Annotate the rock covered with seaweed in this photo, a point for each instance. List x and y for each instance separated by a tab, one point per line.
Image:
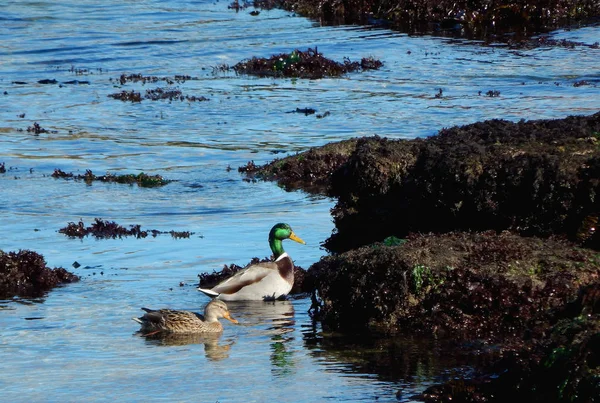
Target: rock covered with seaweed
484	235
502	20
25	274
528	308
561	367
535	178
480	285
303	64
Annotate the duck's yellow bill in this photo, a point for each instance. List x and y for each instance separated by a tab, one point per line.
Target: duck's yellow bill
294	237
229	318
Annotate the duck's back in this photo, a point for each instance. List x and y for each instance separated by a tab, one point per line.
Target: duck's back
172	321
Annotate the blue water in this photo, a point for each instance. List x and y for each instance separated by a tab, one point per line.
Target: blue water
79	343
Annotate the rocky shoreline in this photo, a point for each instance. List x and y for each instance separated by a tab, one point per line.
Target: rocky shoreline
513	22
481	234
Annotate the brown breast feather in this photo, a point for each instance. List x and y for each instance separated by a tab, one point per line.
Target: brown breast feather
286	269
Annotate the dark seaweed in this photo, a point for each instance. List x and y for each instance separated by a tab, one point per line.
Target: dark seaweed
302	64
109	229
25	274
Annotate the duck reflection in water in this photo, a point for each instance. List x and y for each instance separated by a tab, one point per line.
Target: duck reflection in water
277	320
213	349
172	327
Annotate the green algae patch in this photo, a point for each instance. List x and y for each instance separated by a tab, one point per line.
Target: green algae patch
25	274
303	64
141	179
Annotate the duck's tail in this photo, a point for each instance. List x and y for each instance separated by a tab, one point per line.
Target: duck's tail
210	293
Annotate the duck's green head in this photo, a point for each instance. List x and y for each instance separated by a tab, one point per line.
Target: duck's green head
278	233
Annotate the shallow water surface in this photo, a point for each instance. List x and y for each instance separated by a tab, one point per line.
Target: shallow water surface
79	341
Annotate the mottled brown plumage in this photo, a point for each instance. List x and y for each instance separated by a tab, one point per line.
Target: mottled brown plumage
171	321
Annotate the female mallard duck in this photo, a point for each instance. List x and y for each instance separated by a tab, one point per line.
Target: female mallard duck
170	321
261	281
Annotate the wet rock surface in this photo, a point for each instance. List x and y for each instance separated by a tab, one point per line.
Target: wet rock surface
25	274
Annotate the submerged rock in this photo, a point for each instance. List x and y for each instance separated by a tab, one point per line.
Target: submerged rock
25	274
157	94
169	93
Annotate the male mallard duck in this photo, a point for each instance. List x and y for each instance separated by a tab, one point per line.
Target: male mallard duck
170	321
261	281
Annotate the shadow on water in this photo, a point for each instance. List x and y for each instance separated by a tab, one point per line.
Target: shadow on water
404	360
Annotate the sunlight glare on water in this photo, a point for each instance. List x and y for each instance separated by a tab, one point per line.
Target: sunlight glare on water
79	341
